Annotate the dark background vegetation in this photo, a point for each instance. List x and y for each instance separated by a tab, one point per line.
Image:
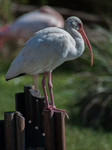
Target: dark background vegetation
90	6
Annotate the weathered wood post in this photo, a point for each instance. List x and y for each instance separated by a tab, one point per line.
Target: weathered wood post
2	135
54	130
49	130
20	131
34	105
29	134
31	127
37	105
10	135
60	130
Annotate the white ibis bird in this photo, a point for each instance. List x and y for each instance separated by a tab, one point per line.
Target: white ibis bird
26	25
48	49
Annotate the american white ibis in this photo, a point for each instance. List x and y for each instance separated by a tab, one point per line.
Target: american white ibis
48	49
26	25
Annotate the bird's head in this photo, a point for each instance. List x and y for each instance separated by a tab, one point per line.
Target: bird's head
76	23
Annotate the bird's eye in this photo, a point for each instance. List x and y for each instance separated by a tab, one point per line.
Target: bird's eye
80	25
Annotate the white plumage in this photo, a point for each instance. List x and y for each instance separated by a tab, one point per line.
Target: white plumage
48	49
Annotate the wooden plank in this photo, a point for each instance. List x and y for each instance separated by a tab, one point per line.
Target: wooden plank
29	131
36	118
49	130
27	101
20	131
41	107
2	138
40	104
20	103
39	134
9	130
33	117
33	99
60	130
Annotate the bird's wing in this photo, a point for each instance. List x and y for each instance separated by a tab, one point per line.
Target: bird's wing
43	52
47	31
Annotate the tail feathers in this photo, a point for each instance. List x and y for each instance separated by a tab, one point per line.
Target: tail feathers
15	76
16	69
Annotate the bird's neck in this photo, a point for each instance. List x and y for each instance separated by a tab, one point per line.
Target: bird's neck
79	46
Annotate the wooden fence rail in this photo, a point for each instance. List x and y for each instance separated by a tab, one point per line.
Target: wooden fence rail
28	128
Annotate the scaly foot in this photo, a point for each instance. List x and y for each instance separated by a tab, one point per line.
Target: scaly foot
51	108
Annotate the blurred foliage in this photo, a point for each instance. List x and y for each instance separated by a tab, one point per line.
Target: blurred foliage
96	99
91	6
5	12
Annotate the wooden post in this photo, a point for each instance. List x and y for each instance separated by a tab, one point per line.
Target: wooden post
9	130
20	131
37	118
2	138
29	132
20	103
41	106
31	105
49	130
54	130
27	101
60	130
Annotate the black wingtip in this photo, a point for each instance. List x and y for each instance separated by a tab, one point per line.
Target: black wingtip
7	79
16	76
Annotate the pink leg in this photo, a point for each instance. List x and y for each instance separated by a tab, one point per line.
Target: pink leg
47	106
50	90
35	82
44	89
53	107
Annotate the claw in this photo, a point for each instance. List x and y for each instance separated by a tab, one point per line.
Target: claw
54	108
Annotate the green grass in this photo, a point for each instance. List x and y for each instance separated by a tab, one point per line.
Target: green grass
87	139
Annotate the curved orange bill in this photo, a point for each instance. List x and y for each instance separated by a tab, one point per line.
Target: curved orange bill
87	43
